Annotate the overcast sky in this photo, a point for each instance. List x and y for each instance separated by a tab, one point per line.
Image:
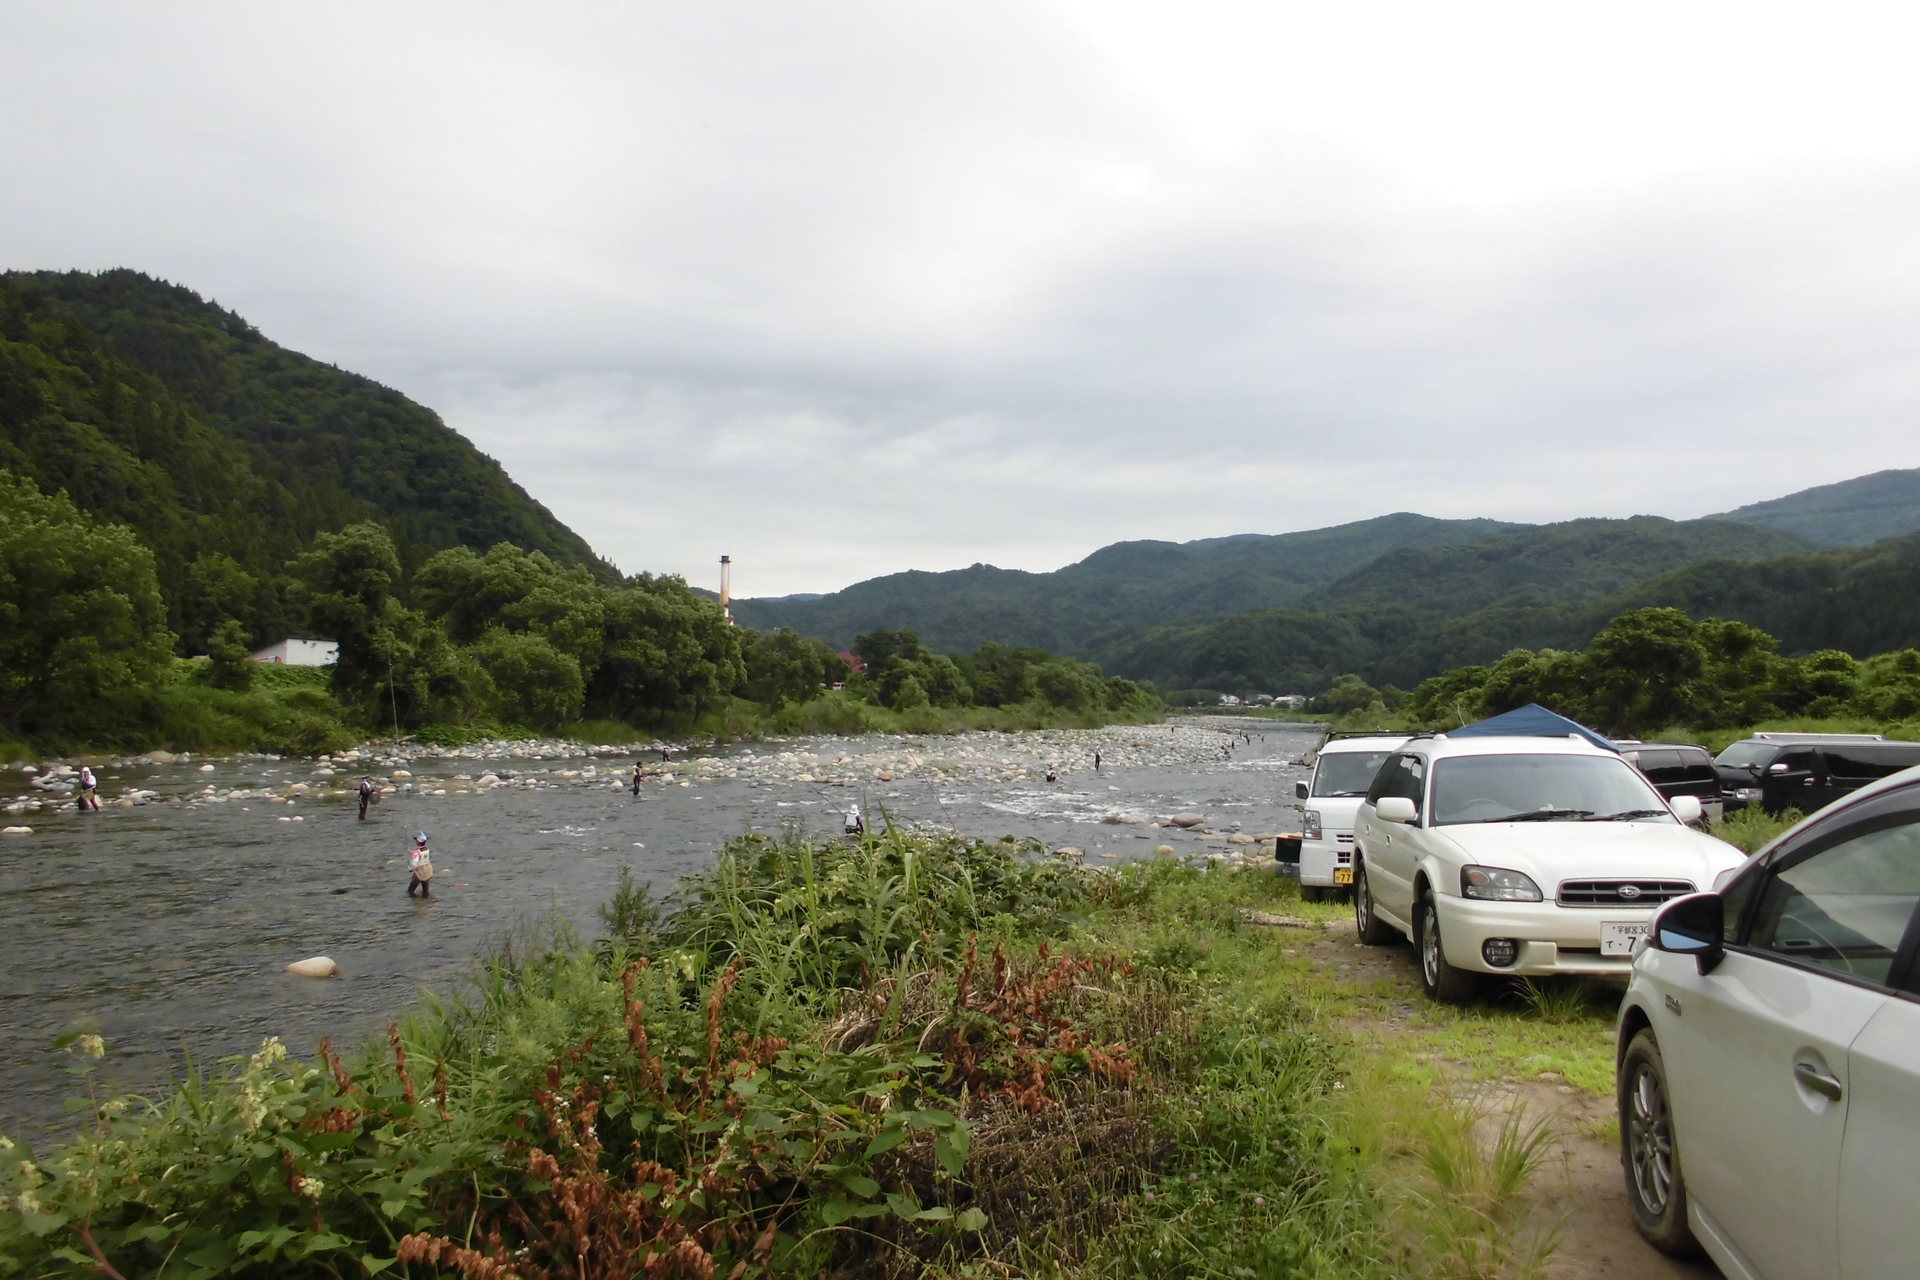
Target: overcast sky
841	289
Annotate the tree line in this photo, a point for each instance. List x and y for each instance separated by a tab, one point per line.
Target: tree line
1653	669
502	637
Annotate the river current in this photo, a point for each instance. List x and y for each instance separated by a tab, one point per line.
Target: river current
167	927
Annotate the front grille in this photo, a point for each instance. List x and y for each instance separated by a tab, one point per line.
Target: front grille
1607	893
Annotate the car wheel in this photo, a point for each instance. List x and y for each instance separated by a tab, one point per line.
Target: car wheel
1443	982
1372	931
1654	1186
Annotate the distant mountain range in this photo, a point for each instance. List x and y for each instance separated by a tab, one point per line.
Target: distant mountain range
1851	513
1395	598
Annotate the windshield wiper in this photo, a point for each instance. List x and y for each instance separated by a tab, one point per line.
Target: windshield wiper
1625	814
1546	815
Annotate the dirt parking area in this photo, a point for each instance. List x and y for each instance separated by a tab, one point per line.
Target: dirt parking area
1580	1192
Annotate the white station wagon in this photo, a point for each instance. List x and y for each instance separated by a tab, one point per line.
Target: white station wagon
1523	856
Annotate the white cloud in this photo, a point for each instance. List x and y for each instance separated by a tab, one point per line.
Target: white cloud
847	288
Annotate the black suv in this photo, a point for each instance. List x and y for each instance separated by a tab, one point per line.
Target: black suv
1807	771
1678	769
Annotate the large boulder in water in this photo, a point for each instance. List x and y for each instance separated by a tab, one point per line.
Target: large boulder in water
314	967
1188	819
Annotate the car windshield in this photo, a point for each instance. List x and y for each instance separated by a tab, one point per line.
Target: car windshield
1742	754
1347	773
1542	788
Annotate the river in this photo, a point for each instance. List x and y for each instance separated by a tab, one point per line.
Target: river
166	926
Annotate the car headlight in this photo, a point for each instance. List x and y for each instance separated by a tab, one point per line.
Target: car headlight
1310	823
1497	884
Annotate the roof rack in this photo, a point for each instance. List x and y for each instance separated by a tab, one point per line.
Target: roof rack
1783	735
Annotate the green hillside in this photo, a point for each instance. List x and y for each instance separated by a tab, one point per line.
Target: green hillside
1415	612
1120	588
1851	513
343	447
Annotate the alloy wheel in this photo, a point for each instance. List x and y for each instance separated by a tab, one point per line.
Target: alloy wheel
1650	1139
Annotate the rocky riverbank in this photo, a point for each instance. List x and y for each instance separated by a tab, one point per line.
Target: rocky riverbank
1073	758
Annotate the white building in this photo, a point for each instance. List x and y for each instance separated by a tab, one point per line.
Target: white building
296	651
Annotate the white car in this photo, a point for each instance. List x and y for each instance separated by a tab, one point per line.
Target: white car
1343	769
1769	1050
1534	857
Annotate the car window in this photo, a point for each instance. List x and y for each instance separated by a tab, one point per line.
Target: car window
1865	763
1347	773
1742	754
1845	907
1404	775
1500	788
1798	760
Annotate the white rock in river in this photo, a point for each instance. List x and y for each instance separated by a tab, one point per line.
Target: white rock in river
206	768
314	967
1187	819
16	831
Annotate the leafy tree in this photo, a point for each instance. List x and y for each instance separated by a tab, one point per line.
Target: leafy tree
229	658
216	591
1648	668
783	666
351	579
668	654
1349	694
1820	684
83	636
534	683
1889	687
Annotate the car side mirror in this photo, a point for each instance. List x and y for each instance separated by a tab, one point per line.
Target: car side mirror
1686	808
1690	926
1299	791
1396	809
1780	767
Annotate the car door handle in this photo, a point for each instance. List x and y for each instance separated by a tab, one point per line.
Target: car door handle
1817	1080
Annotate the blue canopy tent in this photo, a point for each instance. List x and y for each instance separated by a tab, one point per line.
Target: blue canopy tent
1530	721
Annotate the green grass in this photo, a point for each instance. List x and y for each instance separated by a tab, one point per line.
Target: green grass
902	1055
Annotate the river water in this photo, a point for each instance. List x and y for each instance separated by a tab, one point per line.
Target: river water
166	927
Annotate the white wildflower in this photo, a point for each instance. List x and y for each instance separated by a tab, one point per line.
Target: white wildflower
271	1051
91	1045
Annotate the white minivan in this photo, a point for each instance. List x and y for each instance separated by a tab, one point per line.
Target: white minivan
1343	769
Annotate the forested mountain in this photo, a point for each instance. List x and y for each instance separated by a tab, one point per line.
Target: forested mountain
1412	614
1573	560
342	446
1851	513
1119	588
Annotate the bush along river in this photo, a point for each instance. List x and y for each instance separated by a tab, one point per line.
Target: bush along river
165	922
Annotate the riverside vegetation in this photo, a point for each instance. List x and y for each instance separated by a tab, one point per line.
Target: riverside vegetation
469	645
904	1055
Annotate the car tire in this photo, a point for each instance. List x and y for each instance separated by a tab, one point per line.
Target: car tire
1442	981
1372	930
1648	1152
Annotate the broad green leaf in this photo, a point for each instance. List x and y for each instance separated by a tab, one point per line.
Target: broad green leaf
971	1220
886	1140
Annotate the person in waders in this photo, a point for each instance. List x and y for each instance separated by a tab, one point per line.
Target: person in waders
366	796
89	801
638	774
856	826
420	862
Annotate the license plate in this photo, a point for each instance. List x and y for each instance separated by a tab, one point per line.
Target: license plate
1343	875
1618	936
